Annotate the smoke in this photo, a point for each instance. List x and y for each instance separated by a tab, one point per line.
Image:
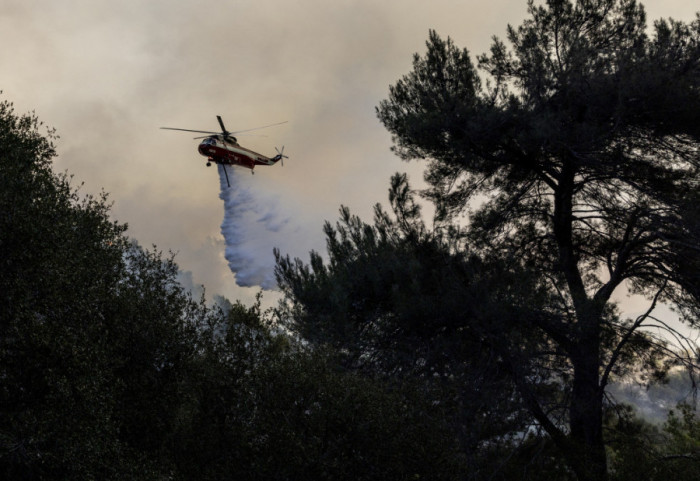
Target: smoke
653	402
252	228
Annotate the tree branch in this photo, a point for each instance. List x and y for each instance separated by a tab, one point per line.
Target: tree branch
625	339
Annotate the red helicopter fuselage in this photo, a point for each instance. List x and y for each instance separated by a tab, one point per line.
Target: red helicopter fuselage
227	151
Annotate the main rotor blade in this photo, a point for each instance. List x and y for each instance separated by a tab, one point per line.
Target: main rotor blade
221	122
229	135
256	128
188	130
226	132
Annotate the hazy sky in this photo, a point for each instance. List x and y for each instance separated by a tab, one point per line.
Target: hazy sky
108	74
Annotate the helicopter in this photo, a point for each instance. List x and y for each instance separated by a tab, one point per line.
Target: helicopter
223	148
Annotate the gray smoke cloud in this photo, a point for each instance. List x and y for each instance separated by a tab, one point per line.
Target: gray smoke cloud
653	402
108	74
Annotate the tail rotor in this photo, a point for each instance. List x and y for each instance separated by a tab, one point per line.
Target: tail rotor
280	155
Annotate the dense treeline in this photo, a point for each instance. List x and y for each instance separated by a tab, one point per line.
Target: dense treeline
454	350
110	370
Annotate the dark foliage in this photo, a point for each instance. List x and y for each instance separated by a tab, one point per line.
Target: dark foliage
574	152
109	370
583	138
398	302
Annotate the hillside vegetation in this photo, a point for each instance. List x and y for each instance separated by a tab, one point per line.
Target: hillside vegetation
564	169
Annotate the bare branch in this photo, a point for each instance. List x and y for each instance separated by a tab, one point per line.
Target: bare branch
625	339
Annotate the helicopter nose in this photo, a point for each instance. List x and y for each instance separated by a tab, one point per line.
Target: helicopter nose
205	149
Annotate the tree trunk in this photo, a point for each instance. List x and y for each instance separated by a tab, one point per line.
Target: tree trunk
586	452
586	417
586	410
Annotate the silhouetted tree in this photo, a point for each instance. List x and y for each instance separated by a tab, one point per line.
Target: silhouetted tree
406	303
401	303
95	332
578	151
575	155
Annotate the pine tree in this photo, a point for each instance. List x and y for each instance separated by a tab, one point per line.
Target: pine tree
581	142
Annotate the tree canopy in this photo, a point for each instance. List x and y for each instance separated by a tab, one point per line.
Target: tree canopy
565	163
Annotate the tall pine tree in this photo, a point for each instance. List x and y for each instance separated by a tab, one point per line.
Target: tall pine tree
582	135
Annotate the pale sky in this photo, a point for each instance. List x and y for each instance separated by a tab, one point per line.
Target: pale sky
108	74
